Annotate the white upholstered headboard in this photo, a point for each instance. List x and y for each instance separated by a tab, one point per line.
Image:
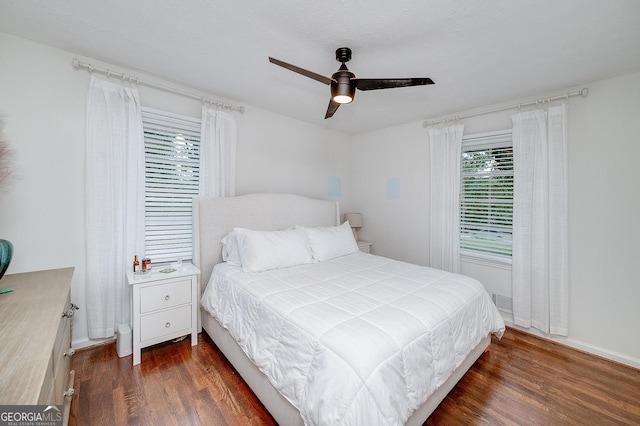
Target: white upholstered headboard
213	218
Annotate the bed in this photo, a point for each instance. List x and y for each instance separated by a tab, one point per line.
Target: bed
307	361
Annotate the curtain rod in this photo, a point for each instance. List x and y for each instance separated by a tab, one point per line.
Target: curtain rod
81	65
583	92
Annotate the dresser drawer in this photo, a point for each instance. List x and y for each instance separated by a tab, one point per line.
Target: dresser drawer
167	322
62	361
164	296
62	345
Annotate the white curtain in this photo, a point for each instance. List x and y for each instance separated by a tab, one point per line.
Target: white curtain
217	154
114	196
444	243
540	258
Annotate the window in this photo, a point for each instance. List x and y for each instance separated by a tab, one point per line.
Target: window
486	195
171	144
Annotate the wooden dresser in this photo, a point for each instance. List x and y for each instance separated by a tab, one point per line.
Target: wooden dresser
35	339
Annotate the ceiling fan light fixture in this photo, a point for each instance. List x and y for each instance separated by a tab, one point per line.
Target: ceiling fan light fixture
343	99
343	92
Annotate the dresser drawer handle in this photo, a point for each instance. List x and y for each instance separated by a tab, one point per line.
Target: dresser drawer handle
71	352
69	313
167	297
69	392
167	325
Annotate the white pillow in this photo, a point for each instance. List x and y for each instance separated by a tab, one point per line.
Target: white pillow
329	242
265	250
230	249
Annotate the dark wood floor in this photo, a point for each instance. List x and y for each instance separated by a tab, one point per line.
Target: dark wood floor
523	380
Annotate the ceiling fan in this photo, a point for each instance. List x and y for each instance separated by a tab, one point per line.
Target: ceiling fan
344	83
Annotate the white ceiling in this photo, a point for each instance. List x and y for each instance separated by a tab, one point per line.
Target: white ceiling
478	52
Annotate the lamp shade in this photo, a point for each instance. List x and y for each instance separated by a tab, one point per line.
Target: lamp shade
355	219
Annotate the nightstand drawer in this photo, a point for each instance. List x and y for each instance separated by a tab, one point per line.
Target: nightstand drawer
165	322
164	296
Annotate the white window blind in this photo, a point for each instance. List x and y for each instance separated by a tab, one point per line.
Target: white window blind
172	144
486	195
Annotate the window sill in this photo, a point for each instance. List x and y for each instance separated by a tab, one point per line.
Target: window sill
486	260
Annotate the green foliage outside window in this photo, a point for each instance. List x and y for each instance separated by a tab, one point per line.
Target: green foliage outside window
486	201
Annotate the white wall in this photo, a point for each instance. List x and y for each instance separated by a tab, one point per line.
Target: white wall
395	221
604	209
276	153
42	213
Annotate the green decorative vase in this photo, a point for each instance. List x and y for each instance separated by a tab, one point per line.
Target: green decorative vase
6	251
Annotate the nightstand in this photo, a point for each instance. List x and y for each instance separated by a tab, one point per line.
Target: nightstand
364	246
164	306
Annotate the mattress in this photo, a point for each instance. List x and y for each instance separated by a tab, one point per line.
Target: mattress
360	339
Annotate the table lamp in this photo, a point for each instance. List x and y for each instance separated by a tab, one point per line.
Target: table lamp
355	221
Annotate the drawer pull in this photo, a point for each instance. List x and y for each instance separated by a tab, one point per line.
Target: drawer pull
168	324
69	392
167	297
69	313
71	352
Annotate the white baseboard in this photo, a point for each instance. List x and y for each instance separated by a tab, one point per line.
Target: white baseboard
585	347
85	343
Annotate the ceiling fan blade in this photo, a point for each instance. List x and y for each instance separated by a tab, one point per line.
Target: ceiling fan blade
333	107
318	77
389	83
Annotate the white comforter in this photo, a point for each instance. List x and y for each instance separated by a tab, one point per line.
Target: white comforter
357	340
